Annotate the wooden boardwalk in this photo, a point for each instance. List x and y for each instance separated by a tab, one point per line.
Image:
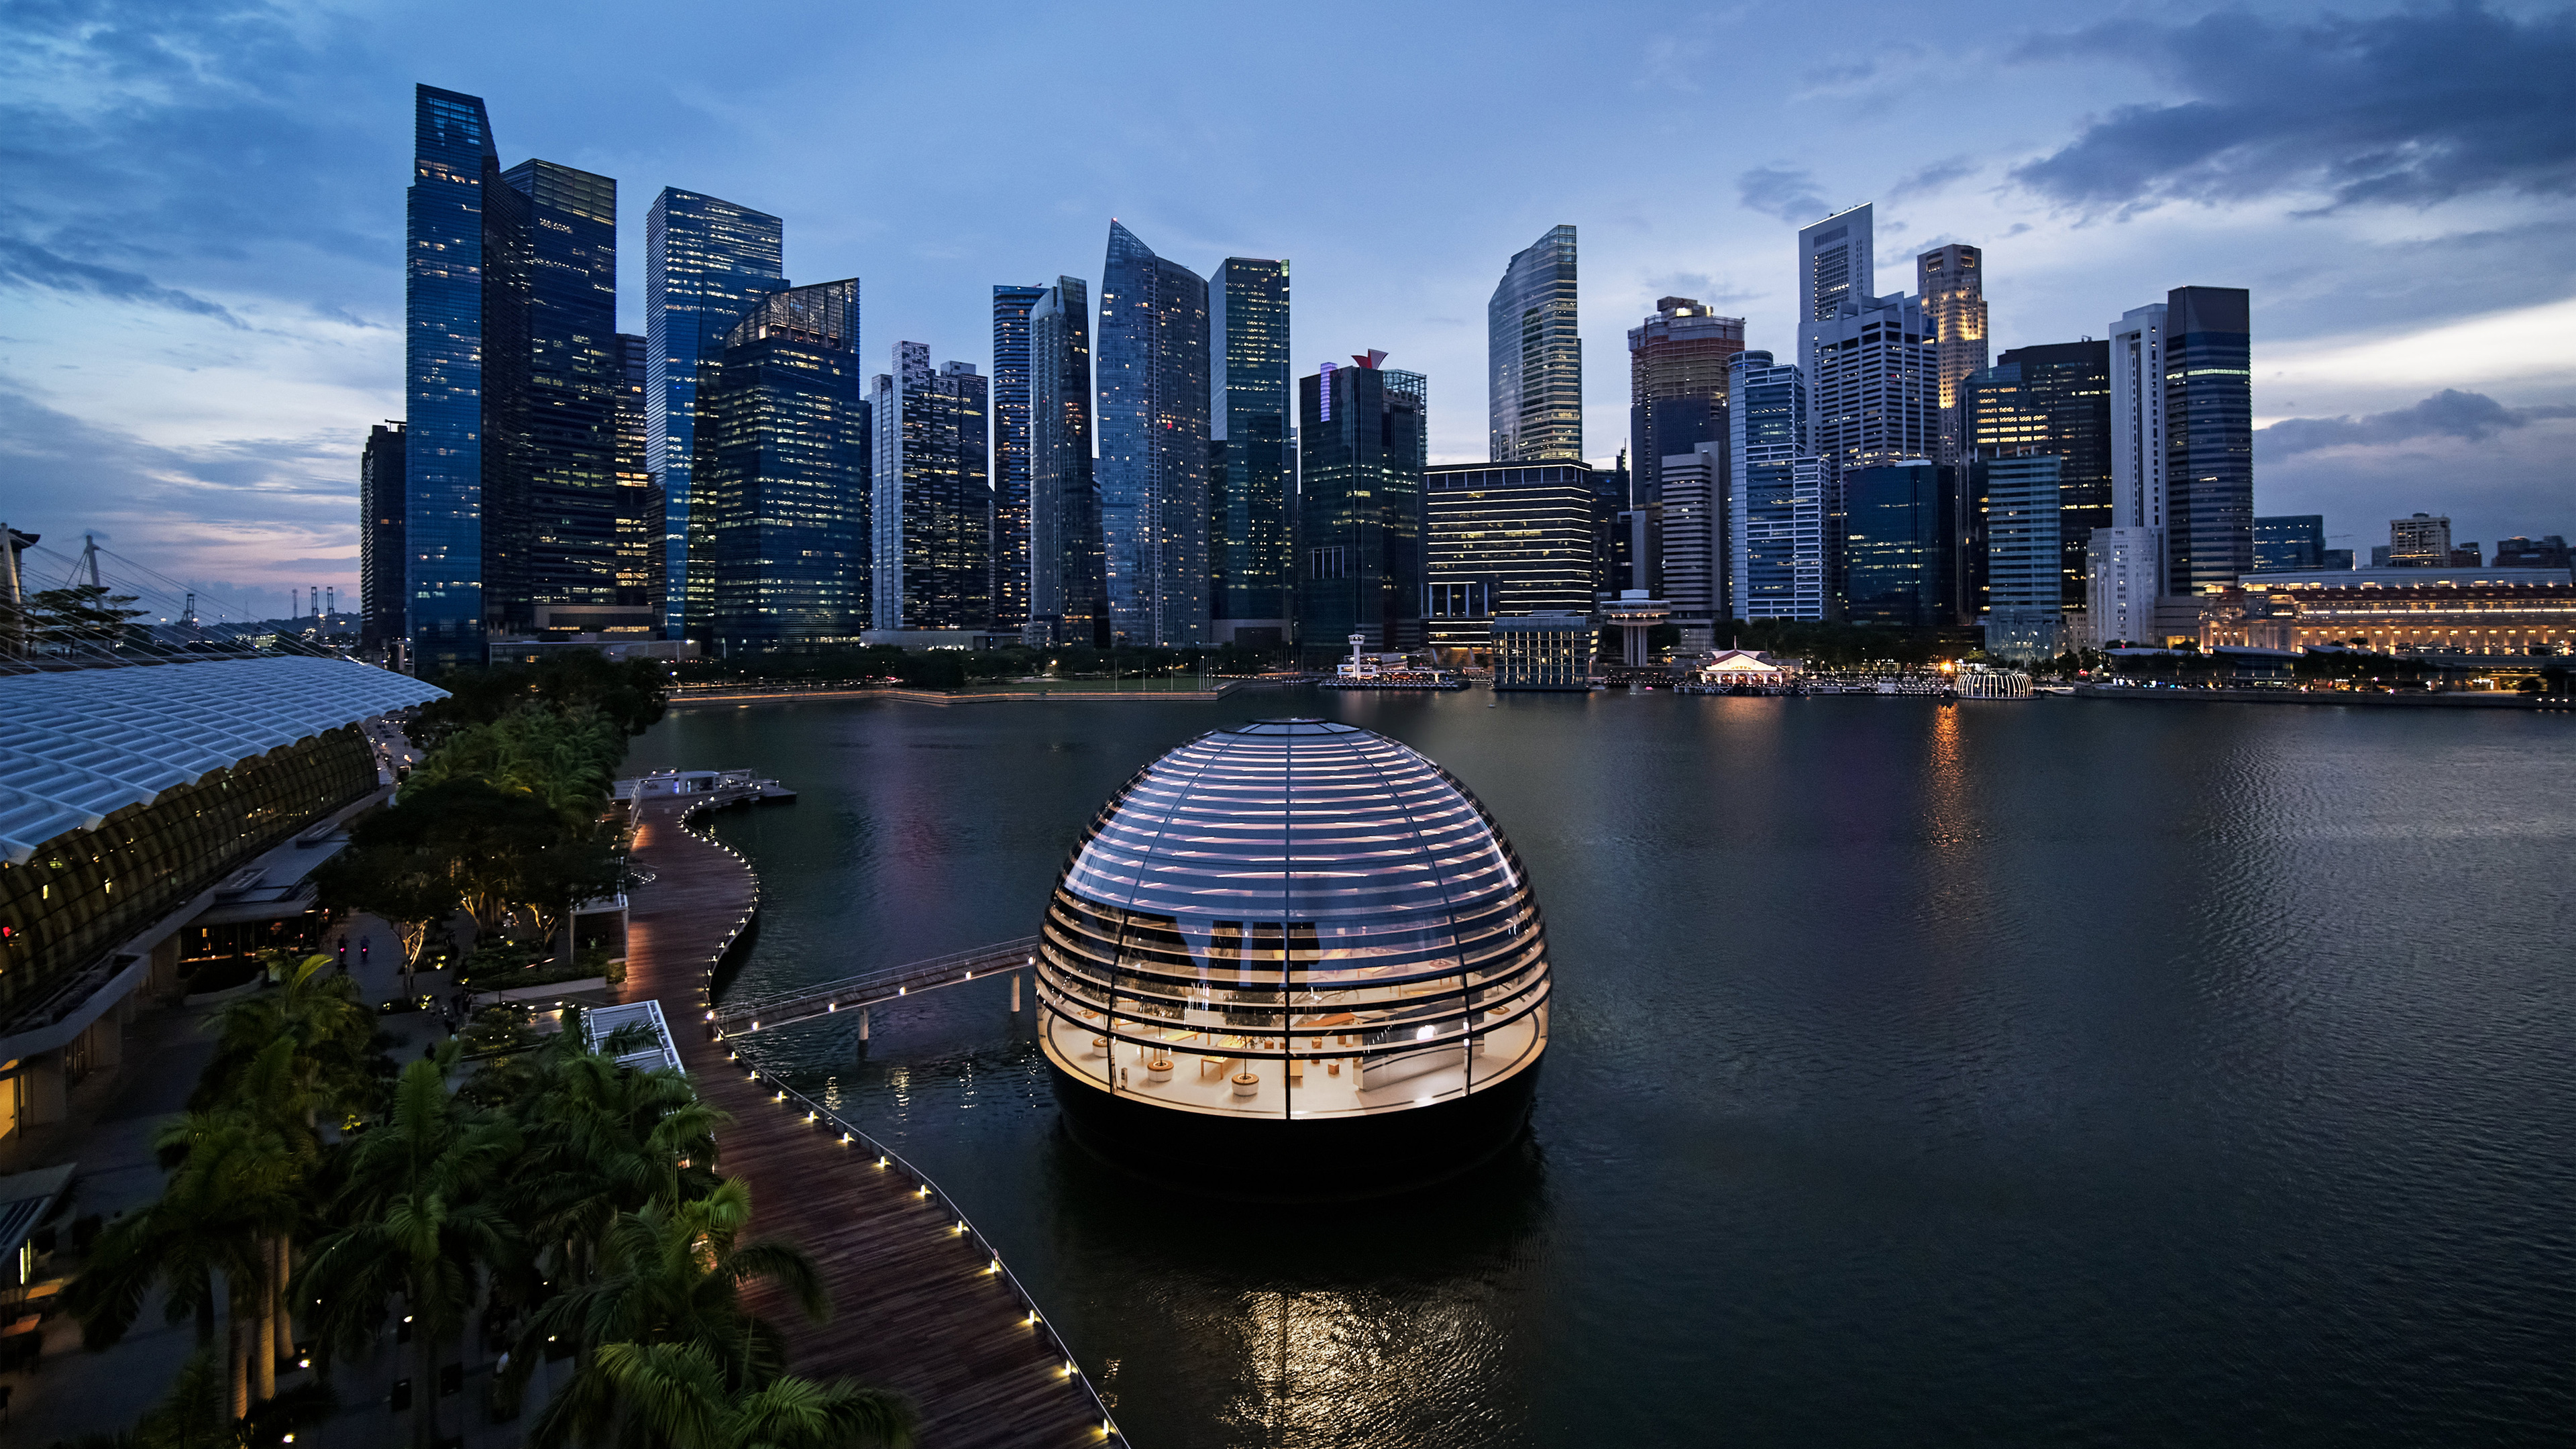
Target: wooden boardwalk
918	1305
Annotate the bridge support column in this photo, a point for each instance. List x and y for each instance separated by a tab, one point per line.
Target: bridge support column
1015	993
863	1023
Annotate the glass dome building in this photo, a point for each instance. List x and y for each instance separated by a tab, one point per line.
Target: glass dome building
1294	958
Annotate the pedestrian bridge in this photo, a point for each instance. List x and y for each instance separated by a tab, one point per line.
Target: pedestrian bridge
853	993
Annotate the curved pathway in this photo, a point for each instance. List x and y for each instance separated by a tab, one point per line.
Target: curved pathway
920	1304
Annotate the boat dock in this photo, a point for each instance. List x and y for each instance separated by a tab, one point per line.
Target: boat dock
922	1303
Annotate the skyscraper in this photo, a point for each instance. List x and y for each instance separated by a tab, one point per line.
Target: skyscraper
2209	439
639	503
707	263
2054	398
2291	541
1363	445
1534	356
1897	553
556	491
2018	501
1251	577
1872	400
1068	597
1503	539
1951	282
1836	264
1692	521
1677	385
782	475
380	538
1776	516
934	502
1011	405
2121	606
454	165
1153	444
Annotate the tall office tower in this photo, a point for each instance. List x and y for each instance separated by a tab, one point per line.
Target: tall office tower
1896	543
1251	574
380	538
1872	400
2292	541
1776	514
1951	283
1153	444
2137	349
2054	398
707	263
639	503
558	489
2209	439
2123	575
2019	506
1504	539
1068	596
1837	262
781	473
1011	453
1363	448
1534	356
1677	385
2420	542
1692	521
1611	495
454	167
934	502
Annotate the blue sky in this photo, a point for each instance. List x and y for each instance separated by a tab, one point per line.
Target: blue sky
201	233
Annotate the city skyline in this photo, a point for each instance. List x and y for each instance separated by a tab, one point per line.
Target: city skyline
213	383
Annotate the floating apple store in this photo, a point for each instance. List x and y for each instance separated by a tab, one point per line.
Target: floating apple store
1294	958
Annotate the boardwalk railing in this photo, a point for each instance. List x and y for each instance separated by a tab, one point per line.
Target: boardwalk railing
852	992
889	1160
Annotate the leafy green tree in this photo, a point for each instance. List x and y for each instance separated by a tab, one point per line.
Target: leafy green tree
564	758
629	694
82	615
420	1221
677	1396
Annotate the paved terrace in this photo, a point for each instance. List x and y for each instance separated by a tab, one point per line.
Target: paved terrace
921	1304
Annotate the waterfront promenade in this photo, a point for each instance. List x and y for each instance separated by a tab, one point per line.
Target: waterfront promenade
918	1305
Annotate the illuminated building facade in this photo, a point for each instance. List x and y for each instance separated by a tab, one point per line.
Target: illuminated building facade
1251	565
2209	439
454	168
2451	615
2290	541
639	503
1951	282
782	474
1677	385
2422	541
933	512
1872	401
1153	423
380	538
1897	556
1363	447
1544	651
1294	958
2016	502
1690	522
1776	508
1011	414
707	263
1504	539
1534	356
2054	398
1068	595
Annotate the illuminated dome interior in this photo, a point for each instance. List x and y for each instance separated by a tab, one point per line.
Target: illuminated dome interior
1293	918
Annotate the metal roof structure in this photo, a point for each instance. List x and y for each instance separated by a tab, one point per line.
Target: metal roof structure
602	1022
78	745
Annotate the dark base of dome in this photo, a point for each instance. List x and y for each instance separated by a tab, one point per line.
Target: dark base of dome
1302	1159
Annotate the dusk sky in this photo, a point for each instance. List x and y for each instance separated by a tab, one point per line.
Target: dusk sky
201	231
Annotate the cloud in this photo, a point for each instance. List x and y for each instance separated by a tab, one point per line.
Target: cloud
1787	193
1932	177
2409	108
1713	291
2450	413
25	264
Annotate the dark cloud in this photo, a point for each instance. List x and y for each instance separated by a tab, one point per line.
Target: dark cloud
2412	108
1787	193
2450	413
25	264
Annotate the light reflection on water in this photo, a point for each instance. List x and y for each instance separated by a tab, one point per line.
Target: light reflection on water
2053	1070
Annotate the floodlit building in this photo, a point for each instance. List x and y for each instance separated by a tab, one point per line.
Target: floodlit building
1504	539
1534	356
1951	281
1294	959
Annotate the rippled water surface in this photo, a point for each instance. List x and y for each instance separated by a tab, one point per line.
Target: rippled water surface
2054	1071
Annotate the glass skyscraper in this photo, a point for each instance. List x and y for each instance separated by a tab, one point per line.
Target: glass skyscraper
933	523
453	166
555	491
1152	470
1534	356
2209	439
1775	516
1952	284
1011	406
707	263
1897	554
1503	539
2290	541
1068	597
1363	443
380	537
1676	386
639	503
782	473
1251	577
2054	398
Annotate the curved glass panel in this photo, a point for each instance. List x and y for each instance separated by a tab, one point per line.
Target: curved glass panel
1293	918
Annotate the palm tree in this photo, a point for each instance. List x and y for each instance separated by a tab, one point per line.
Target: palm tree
420	1221
672	1276
332	1032
677	1396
